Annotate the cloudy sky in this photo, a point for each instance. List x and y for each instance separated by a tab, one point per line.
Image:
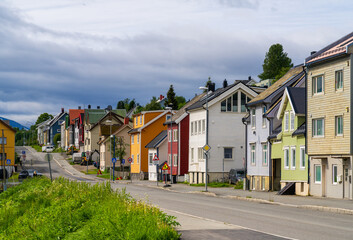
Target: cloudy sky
69	53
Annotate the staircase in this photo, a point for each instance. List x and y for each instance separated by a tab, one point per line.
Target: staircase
289	189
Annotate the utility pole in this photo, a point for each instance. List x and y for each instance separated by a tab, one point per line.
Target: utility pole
3	161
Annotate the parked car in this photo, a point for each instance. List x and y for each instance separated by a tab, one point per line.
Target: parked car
49	148
29	173
236	175
44	148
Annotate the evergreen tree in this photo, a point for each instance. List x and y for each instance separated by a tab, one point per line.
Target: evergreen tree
153	105
43	117
208	83
171	100
276	63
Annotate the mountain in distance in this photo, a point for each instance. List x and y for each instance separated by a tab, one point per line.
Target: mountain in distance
15	124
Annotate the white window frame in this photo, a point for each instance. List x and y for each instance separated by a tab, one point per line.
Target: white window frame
136	121
5	140
201	155
286	157
224	149
292	120
195	125
314	85
302	157
334	166
314	127
286	121
264	154
253	118
132	139
132	158
253	153
140	119
150	158
337	85
169	135
315	166
293	157
336	125
175	160
192	154
203	126
138	138
169	159
192	128
175	135
264	119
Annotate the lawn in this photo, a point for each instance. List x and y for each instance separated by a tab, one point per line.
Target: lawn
63	209
212	184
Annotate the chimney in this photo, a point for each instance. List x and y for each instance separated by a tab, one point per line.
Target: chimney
126	120
110	107
313	52
98	107
79	107
62	110
225	83
161	97
89	106
249	78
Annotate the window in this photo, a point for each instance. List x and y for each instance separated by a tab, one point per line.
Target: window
292	120
243	101
317	173
3	140
132	139
175	135
339	125
138	138
334	174
253	154
264	154
293	159
224	106
235	102
192	128
228	153
169	136
132	157
229	104
203	125
169	159
138	159
302	157
318	84
263	117
192	154
175	160
286	121
318	127
136	120
201	154
167	117
253	118
195	131
141	119
150	158
339	80
199	127
286	157
5	157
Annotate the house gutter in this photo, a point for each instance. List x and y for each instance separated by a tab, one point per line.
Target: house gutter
305	69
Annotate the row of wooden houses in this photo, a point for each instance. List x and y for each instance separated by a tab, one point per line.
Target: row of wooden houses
295	135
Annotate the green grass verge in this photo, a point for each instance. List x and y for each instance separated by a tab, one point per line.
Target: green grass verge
63	209
211	184
37	148
239	185
14	176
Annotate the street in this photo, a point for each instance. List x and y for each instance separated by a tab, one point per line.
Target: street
207	217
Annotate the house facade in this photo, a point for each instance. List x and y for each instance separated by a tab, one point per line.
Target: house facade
329	114
54	126
226	108
7	137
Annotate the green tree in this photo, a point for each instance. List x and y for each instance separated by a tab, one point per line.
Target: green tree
126	103
120	105
43	117
181	101
56	139
276	63
153	105
171	100
207	83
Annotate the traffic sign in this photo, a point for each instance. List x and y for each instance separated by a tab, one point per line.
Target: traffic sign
113	160
165	167
8	161
206	148
129	160
23	152
123	161
155	158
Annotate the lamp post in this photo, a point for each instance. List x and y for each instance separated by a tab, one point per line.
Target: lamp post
110	122
171	145
206	152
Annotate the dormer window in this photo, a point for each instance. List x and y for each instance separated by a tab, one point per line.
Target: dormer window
231	104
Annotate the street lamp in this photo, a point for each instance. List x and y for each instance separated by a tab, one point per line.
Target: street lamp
110	122
206	153
171	145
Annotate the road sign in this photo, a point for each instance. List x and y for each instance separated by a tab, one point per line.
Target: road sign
155	158
113	160
8	161
129	160
206	148
165	167
123	161
24	157
24	152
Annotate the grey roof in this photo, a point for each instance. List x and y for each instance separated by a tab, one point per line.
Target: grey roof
297	96
134	130
275	132
300	130
157	140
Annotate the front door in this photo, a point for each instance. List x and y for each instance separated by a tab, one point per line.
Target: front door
276	174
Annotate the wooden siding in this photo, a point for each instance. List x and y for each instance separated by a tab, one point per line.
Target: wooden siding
328	105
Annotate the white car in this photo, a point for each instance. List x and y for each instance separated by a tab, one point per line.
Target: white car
49	149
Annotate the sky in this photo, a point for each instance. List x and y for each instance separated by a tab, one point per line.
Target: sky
67	53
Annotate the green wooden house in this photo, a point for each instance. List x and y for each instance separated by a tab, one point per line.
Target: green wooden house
289	143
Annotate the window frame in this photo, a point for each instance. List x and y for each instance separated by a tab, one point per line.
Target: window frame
175	160
264	122
286	121
140	119
253	154
201	155
150	158
286	158
336	125
293	157
192	155
314	84
253	118
138	159
231	153
192	128
136	121
169	159
169	135
339	80
199	127
314	127
264	154
334	174
175	135
132	158
5	140
292	120
138	138
203	126
132	139
302	154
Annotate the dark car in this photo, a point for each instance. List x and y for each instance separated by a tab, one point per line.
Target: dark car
236	175
28	173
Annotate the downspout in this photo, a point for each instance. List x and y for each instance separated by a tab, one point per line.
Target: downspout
270	165
246	150
178	153
305	69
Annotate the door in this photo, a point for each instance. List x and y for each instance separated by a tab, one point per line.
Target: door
347	181
276	174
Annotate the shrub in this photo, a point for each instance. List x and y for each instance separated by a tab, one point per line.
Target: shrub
239	185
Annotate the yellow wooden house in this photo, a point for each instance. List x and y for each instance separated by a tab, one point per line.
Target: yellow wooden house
9	143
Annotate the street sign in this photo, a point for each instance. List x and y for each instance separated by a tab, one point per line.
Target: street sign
206	148
165	167
123	161
113	160
129	160
24	152
8	161
155	158
24	157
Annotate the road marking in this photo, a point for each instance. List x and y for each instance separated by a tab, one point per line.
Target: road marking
223	223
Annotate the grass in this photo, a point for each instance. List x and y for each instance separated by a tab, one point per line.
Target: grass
14	176
239	185
105	174
63	209
37	148
212	184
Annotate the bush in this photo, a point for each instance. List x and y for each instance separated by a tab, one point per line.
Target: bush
63	209
239	185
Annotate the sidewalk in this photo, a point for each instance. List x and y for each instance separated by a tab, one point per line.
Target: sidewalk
341	206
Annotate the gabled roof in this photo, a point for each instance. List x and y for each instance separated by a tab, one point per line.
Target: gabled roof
74	113
164	112
275	132
296	98
272	93
7	125
42	124
112	114
338	48
157	140
56	118
94	115
300	130
218	92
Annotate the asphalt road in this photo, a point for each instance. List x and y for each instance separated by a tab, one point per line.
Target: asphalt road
208	217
